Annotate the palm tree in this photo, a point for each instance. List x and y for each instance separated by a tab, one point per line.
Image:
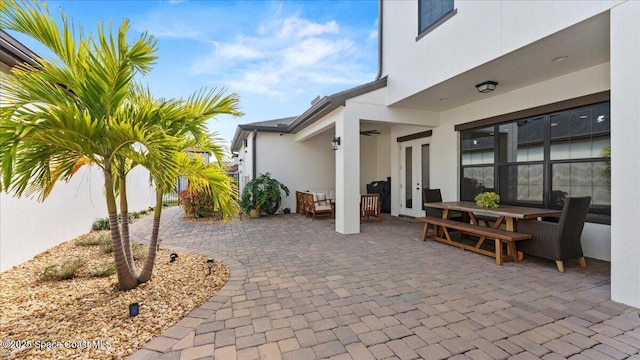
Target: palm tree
83	108
186	120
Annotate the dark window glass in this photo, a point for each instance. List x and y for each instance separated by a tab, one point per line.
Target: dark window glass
475	180
580	133
581	179
408	175
521	141
522	184
478	146
433	10
541	160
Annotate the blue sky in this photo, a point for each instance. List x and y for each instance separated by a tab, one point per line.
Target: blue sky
277	55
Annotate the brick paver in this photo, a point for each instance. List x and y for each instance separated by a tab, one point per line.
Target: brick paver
299	290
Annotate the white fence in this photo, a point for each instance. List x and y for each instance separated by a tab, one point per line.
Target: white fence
28	227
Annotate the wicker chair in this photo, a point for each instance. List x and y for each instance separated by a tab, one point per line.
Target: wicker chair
434	195
557	241
370	205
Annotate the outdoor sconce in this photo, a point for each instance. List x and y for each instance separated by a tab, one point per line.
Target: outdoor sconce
335	142
210	264
246	142
173	257
134	309
486	87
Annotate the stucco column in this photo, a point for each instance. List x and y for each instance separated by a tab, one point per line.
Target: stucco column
348	174
625	168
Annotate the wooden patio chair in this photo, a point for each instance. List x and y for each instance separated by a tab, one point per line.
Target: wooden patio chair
370	205
317	207
300	208
557	241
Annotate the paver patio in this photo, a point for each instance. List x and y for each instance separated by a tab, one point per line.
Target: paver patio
299	290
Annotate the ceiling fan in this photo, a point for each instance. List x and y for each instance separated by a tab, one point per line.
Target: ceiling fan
369	132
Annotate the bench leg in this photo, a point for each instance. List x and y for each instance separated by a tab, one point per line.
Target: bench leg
511	250
498	252
560	265
520	255
425	229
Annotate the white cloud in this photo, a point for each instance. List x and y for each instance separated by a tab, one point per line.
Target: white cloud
294	27
284	56
236	51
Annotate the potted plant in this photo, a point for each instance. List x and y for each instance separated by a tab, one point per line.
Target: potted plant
262	194
487	199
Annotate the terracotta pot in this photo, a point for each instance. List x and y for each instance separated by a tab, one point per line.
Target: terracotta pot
254	213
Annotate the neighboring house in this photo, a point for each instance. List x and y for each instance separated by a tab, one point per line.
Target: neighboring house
28	227
568	84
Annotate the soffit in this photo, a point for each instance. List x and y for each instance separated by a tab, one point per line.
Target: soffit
585	44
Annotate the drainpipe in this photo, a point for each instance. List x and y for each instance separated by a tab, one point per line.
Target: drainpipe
380	28
254	153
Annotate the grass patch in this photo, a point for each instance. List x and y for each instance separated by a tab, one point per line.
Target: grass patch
65	271
104	272
92	239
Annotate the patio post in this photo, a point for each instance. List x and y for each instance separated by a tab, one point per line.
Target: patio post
348	174
625	171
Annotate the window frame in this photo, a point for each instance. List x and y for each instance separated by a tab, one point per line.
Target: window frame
442	19
598	213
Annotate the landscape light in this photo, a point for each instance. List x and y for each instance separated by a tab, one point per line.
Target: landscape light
134	309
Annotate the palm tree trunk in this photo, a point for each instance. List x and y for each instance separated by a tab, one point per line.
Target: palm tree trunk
153	243
124	215
126	280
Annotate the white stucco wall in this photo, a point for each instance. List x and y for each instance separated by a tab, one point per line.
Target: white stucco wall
383	166
625	166
299	165
368	161
28	227
483	31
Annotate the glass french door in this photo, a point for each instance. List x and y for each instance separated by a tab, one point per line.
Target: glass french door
414	176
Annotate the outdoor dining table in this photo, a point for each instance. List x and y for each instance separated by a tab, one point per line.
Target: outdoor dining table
504	214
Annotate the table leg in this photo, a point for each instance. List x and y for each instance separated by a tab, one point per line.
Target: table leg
511	224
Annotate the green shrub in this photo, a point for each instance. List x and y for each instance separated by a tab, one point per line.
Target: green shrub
104	272
67	270
197	203
101	224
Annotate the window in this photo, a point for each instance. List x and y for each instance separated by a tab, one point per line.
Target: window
433	12
538	161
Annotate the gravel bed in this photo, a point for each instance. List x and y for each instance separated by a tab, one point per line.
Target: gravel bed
87	317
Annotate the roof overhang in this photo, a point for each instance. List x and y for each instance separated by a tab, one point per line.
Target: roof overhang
13	52
319	108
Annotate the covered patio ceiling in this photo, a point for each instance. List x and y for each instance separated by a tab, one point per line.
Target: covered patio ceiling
584	45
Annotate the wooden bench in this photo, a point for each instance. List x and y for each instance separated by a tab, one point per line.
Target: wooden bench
442	227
